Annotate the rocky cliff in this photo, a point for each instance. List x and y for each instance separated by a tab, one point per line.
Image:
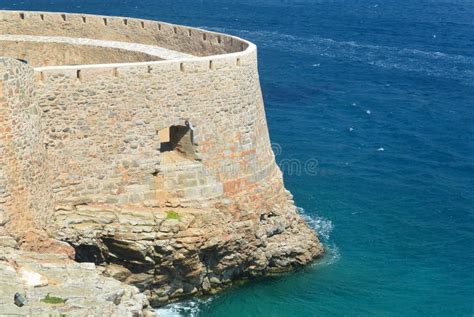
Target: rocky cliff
177	252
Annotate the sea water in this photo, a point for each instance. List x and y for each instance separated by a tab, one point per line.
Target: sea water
375	100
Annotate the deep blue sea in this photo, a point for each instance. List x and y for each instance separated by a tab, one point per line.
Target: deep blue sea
381	94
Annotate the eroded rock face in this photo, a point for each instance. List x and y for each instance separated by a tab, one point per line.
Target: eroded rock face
201	252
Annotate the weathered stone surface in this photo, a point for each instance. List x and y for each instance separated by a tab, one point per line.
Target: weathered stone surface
216	248
85	291
8	241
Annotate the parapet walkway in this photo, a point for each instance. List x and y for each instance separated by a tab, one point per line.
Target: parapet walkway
160	52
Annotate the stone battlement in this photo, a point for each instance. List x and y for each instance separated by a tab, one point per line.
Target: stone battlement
108	124
180	38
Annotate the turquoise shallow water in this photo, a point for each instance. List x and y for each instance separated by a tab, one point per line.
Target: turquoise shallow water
381	94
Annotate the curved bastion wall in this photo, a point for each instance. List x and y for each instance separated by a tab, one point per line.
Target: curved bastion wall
113	148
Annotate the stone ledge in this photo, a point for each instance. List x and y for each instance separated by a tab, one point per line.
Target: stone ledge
86	291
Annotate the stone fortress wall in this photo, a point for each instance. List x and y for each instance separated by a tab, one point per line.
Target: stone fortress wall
115	112
84	149
24	179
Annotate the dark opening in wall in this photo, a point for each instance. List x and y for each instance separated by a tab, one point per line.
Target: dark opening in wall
177	142
89	253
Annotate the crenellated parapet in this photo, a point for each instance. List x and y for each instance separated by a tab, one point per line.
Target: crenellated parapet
185	39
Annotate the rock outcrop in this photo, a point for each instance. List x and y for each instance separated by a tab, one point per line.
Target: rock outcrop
79	288
192	252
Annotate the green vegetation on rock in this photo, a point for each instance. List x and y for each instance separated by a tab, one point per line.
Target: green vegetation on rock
48	299
171	214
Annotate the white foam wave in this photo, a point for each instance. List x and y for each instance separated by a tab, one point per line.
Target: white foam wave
188	308
332	255
321	225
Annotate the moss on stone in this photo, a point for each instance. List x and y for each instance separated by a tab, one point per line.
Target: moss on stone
48	299
171	214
